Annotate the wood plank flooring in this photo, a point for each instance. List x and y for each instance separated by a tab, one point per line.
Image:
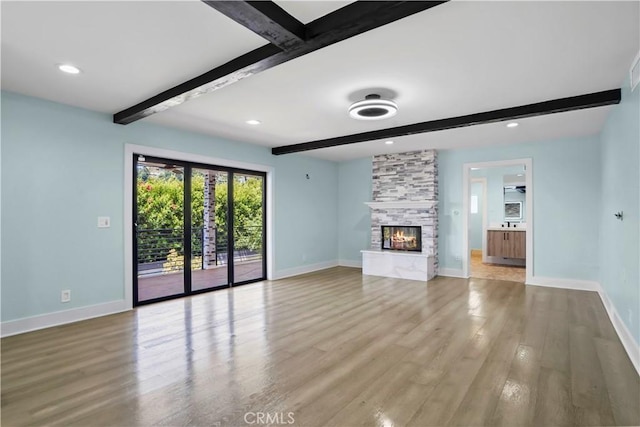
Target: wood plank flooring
331	348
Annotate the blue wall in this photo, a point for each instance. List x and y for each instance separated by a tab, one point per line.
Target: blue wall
620	240
355	217
62	167
306	211
566	194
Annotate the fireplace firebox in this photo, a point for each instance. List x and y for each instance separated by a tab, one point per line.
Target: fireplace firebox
402	238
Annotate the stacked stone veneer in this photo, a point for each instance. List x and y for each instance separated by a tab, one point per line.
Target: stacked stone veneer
411	176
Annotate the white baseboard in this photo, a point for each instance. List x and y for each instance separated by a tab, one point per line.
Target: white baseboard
303	269
27	324
450	272
551	282
628	342
350	263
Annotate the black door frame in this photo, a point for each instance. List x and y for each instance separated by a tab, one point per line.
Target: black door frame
187	230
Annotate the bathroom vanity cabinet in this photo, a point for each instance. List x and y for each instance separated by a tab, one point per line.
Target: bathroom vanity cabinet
507	243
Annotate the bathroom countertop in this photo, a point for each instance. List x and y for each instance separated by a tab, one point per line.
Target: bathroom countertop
506	229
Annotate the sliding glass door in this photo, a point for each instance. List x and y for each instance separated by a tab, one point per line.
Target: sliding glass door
209	207
248	227
159	228
196	228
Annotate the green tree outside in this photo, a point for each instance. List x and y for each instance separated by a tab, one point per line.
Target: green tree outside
160	206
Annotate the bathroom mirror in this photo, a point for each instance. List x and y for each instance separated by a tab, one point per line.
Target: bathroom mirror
515	193
513	211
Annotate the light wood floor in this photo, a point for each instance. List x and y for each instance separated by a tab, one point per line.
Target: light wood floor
495	271
332	348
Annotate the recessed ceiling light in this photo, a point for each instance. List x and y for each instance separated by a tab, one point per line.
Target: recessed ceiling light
253	122
520	174
373	108
68	68
512	124
388	142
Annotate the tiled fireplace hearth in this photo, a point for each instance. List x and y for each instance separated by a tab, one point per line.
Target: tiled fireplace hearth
405	193
401	265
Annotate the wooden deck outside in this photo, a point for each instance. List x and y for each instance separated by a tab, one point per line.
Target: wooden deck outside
163	285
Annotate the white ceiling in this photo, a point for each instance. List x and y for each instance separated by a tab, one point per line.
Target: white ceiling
458	58
128	51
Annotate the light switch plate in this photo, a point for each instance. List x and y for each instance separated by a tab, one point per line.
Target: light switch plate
104	222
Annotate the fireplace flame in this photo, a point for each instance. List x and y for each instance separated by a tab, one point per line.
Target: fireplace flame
400	241
401	238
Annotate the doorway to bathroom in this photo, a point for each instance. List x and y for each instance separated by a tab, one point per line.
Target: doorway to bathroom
498	218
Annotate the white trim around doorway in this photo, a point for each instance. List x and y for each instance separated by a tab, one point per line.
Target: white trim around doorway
466	191
130	149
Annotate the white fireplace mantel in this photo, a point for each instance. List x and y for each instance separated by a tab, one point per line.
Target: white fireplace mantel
403	204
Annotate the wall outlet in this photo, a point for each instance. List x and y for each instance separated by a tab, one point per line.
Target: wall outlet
65	296
104	222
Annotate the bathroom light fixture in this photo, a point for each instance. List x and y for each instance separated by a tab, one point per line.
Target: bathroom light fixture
512	124
253	122
388	142
373	108
68	68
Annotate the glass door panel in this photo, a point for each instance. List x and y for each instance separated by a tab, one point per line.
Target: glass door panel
209	241
196	216
159	229
248	227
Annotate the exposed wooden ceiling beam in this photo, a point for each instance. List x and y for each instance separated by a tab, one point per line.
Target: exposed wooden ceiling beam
360	16
266	19
591	100
351	20
257	60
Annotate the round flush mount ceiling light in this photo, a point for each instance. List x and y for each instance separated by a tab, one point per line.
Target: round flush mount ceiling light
253	122
512	125
388	142
69	69
373	108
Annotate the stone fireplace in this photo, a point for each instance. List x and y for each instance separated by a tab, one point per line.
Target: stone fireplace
405	194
